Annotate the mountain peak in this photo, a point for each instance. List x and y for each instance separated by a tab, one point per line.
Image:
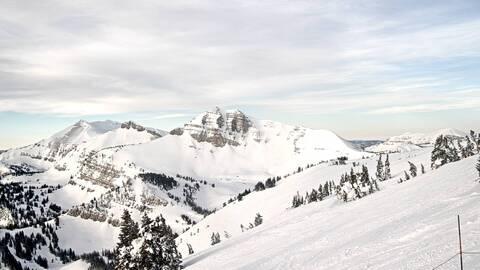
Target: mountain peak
217	126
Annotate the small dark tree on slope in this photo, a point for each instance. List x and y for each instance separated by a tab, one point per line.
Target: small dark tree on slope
380	174
215	238
258	219
388	173
422	168
190	249
413	169
407	177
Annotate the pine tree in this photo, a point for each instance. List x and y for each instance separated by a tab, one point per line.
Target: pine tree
313	196
422	168
215	238
190	249
387	174
407	177
258	219
380	170
146	221
439	153
128	230
365	177
413	169
123	252
158	250
470	147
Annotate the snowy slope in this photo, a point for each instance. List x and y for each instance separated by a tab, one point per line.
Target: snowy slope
404	226
273	202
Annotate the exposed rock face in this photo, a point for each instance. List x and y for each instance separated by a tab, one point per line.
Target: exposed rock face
217	127
133	125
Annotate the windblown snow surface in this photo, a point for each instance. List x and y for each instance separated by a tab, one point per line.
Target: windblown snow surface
410	225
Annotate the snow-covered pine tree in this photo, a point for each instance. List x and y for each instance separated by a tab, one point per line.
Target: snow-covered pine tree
258	219
365	176
320	193
407	177
215	238
422	168
123	252
380	174
439	153
387	173
146	258
469	147
326	189
313	196
413	169
163	245
452	152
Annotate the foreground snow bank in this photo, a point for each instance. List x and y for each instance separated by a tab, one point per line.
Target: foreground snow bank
405	226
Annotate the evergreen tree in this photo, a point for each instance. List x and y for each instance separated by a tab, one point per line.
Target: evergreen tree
407	177
190	249
158	250
313	196
413	169
422	168
439	153
380	174
146	221
128	230
123	252
470	147
258	219
215	238
452	153
365	177
387	174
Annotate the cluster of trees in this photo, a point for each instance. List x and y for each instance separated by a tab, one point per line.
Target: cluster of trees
215	238
450	149
26	247
413	172
383	169
315	195
157	249
28	205
354	185
160	180
99	260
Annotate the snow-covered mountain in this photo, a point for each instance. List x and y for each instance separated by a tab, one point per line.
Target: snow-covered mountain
229	144
413	141
426	138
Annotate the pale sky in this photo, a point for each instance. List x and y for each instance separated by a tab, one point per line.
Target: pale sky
364	69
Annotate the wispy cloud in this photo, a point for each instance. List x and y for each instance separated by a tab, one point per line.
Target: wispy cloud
309	57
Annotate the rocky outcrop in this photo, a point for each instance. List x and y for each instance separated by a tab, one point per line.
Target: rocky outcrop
133	125
217	127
